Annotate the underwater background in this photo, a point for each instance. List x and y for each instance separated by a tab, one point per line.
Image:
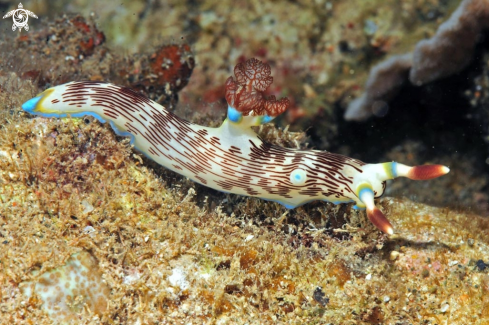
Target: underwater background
92	232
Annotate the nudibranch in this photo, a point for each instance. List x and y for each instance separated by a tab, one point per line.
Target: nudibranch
232	158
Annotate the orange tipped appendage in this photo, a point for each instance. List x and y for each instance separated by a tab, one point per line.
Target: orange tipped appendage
371	184
366	196
379	220
427	172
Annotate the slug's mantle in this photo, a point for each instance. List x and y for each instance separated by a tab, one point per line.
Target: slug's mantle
232	158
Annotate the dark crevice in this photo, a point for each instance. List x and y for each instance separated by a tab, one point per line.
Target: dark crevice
438	115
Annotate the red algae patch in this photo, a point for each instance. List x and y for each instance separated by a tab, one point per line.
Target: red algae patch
66	290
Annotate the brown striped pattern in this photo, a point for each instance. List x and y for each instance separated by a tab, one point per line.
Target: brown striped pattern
260	169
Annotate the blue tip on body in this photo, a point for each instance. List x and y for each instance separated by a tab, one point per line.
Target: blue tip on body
267	119
30	105
234	115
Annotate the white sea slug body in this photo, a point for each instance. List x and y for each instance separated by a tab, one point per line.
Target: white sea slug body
232	158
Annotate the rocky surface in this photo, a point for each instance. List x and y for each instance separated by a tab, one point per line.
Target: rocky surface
171	251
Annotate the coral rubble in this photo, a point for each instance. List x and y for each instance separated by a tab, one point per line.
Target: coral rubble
162	74
66	290
384	80
74	49
446	53
452	47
